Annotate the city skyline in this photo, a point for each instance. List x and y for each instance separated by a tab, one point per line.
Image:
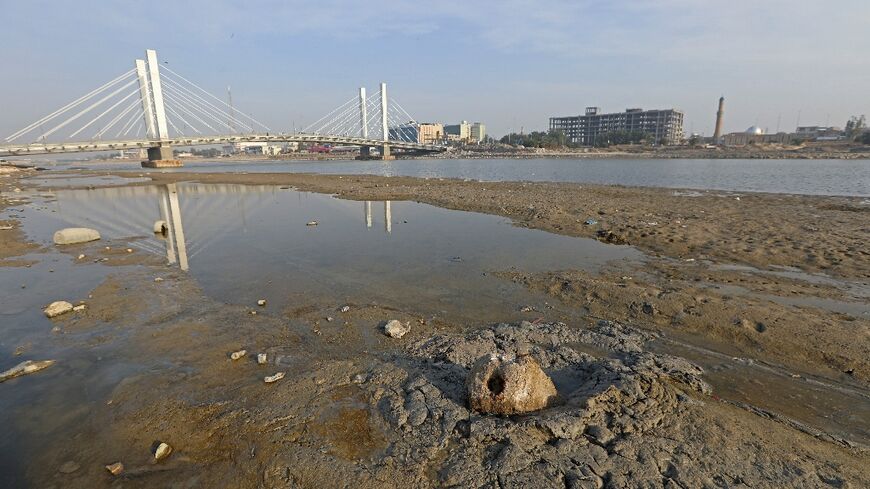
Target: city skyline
511	65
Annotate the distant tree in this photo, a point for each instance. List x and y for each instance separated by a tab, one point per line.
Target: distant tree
855	126
694	140
863	138
620	137
537	139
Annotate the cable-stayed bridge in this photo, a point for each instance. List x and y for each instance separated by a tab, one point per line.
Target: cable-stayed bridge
155	108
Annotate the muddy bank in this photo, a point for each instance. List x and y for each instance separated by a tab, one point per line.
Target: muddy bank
360	409
815	234
12	241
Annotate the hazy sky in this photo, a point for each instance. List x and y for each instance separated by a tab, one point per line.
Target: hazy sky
510	63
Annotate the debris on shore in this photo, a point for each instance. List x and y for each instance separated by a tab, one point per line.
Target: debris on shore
24	368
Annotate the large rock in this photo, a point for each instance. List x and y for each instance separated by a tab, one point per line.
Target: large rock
395	329
57	308
75	235
498	384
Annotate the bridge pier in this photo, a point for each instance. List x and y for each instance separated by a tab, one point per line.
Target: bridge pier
385	153
161	157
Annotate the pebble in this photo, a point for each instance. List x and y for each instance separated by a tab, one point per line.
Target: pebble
273	378
329	319
81	257
163	451
80	307
129	250
253	313
57	308
261	358
115	468
344	308
238	354
158	279
311	223
261	302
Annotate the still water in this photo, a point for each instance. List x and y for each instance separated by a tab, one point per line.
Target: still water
244	243
812	177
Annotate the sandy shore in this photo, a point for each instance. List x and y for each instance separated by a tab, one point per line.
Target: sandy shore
360	409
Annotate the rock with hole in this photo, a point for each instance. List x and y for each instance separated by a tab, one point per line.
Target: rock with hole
499	384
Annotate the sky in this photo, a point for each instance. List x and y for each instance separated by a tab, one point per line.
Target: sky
510	64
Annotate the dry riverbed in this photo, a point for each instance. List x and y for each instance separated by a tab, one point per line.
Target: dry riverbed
357	408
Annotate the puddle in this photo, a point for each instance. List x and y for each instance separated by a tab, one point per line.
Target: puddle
838	410
244	243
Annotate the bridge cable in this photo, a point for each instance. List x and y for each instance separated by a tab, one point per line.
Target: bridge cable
68	106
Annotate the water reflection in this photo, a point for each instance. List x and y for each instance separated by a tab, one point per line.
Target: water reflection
244	243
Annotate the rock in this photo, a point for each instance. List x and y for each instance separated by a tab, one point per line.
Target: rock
129	250
261	358
163	450
57	308
273	378
261	302
395	328
500	385
360	379
160	227
344	308
81	257
68	467
75	235
238	354
158	279
80	307
116	468
311	223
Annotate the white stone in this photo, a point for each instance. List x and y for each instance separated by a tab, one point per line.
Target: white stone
80	307
57	308
163	451
261	358
345	308
261	302
274	378
395	328
238	354
75	235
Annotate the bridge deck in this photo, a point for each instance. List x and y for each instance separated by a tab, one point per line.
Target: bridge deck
88	146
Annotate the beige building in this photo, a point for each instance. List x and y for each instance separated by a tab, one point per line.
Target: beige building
430	132
477	132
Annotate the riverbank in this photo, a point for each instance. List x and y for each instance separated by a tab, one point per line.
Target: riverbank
767	292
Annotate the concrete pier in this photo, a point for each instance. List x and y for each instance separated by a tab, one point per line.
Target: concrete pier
161	157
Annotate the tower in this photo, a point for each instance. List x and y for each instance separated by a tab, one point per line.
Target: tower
717	134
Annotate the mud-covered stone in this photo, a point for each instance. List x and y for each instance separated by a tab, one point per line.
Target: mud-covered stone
75	235
502	385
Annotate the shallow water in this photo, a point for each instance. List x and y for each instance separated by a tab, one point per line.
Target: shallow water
813	177
244	243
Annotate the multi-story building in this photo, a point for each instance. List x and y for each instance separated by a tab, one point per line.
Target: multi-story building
430	132
665	126
478	132
458	132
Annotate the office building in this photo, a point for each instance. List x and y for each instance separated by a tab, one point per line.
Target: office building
663	126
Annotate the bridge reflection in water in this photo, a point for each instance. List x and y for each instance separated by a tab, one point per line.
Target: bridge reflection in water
196	215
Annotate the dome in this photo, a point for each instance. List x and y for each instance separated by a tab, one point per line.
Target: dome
755	130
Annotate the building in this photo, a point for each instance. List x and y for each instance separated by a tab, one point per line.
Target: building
665	126
430	132
465	132
253	148
458	132
813	133
755	135
478	132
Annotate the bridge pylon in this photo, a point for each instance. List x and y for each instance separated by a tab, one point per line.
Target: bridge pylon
151	93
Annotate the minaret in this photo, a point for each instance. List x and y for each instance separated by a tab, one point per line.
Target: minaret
717	134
